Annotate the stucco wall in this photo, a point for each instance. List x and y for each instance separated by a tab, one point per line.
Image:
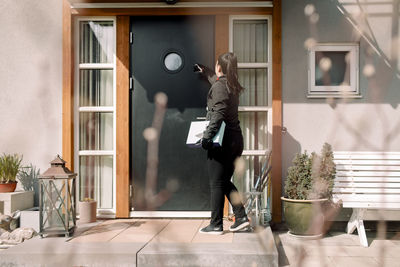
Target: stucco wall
31	79
371	123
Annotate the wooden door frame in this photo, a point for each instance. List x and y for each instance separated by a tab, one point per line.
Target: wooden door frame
122	76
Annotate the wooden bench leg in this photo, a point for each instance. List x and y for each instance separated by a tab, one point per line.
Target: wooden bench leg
356	222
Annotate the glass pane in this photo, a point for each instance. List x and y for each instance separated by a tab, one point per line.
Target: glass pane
173	62
246	180
54	203
96	88
96	42
255	82
96	131
332	68
250	40
255	130
96	180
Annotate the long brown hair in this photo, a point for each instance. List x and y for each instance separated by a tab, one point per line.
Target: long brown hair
228	63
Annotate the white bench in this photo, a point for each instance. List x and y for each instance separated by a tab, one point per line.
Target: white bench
365	181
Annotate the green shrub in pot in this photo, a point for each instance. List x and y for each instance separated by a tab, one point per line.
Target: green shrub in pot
309	182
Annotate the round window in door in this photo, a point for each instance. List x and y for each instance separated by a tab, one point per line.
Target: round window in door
173	61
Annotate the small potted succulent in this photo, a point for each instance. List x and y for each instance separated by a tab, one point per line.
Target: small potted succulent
308	185
28	176
10	166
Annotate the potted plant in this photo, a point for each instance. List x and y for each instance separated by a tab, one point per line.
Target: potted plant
87	210
308	186
10	166
28	176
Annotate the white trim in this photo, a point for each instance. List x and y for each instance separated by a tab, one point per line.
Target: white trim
254	65
114	210
341	91
268	66
96	109
102	213
96	153
334	95
177	5
96	66
250	17
254	109
170	214
270	88
254	152
106	216
263	65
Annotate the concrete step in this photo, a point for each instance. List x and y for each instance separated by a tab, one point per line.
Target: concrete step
146	242
246	249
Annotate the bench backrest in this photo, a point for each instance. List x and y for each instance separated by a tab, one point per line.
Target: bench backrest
367	179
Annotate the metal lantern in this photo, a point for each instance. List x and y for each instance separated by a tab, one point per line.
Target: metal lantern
57	205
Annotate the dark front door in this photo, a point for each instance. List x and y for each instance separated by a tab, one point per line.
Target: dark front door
163	53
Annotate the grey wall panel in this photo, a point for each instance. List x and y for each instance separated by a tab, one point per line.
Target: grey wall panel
371	123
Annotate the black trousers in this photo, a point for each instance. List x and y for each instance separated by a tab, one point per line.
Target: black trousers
220	165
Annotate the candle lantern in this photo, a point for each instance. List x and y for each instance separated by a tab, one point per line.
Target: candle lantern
57	200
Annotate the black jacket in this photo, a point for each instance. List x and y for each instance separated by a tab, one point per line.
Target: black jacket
222	105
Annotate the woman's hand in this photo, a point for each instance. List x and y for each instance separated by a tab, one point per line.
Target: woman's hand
199	68
206	143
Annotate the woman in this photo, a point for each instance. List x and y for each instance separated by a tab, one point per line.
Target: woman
222	105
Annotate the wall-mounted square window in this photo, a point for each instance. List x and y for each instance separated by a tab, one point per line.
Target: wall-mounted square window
333	70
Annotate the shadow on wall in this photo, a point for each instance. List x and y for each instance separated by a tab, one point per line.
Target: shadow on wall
290	146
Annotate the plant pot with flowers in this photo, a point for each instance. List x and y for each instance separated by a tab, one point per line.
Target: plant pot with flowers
10	165
308	188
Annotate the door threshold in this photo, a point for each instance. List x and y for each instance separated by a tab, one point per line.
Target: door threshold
170	214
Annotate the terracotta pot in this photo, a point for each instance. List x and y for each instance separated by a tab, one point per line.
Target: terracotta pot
87	211
9	187
300	215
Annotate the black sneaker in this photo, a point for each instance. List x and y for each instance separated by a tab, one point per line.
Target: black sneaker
212	230
239	224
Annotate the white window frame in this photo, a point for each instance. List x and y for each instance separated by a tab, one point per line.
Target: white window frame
77	110
268	66
351	90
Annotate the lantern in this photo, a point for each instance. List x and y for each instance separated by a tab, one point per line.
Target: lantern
57	204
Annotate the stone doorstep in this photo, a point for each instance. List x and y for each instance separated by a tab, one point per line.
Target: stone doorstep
13	201
58	252
247	249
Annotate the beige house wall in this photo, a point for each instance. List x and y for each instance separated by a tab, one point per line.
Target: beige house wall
31	79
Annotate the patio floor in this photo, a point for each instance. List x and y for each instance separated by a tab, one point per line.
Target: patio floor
176	242
338	249
146	242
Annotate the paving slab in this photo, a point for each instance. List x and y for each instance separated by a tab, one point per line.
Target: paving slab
58	252
355	261
103	232
324	251
142	231
178	231
312	261
336	249
334	239
392	262
227	237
